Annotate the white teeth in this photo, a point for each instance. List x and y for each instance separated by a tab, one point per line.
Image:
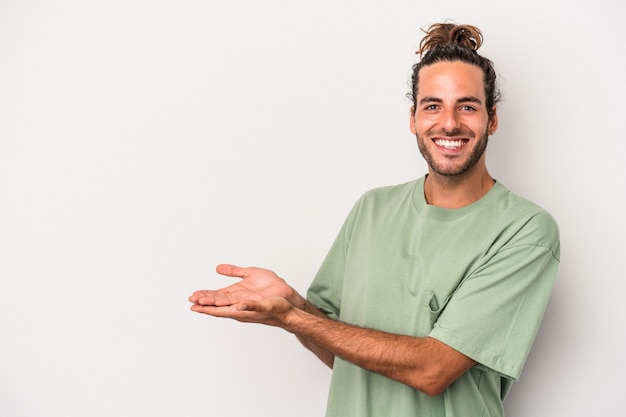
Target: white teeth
449	144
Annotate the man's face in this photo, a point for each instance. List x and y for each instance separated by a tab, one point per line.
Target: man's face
451	121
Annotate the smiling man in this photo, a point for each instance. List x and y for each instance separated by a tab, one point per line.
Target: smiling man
429	300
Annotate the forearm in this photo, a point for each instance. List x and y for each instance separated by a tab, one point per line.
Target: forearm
262	297
422	363
326	356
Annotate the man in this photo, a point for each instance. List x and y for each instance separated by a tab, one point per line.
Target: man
429	299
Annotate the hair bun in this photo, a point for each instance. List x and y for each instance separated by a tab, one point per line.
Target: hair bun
442	34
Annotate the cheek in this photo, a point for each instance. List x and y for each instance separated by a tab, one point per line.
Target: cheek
419	124
424	127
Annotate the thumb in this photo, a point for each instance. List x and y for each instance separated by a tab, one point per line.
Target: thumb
231	270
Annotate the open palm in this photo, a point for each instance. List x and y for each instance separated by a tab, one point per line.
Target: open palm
256	284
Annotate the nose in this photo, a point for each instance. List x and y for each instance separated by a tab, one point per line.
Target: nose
450	120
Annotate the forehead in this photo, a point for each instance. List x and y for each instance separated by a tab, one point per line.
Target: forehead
451	80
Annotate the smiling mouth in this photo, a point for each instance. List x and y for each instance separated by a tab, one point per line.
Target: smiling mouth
450	144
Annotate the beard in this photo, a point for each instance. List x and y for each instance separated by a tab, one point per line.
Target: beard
450	170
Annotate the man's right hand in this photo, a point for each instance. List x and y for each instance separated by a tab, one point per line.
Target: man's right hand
257	284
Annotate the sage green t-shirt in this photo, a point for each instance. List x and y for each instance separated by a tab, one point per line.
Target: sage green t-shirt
476	278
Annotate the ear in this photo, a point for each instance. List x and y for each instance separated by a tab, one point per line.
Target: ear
493	122
412	121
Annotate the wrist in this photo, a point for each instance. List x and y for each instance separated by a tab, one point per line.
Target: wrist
294	319
296	300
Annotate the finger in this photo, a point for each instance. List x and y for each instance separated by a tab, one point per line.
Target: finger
202	294
262	311
257	306
248	305
232	270
227	311
231	312
212	298
196	296
209	297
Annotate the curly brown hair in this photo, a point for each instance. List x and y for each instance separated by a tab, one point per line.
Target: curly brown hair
445	42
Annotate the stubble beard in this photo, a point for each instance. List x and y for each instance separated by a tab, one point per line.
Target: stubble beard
453	171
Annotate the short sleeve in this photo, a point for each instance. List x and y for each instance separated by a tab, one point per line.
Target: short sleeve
323	292
326	289
494	315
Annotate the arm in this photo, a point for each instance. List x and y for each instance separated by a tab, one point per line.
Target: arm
325	355
422	363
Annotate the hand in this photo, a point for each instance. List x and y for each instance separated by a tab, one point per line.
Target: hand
261	296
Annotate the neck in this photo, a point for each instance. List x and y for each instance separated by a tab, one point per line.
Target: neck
457	191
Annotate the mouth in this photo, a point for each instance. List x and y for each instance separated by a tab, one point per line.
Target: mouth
450	144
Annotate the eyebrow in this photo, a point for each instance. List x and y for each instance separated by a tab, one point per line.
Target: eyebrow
468	99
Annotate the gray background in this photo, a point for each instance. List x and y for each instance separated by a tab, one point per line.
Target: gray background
143	142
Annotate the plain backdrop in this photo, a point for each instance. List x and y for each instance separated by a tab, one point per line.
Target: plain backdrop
144	142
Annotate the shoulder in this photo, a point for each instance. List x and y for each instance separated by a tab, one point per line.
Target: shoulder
388	195
514	206
528	222
377	205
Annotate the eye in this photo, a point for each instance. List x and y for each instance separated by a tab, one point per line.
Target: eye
467	107
431	107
